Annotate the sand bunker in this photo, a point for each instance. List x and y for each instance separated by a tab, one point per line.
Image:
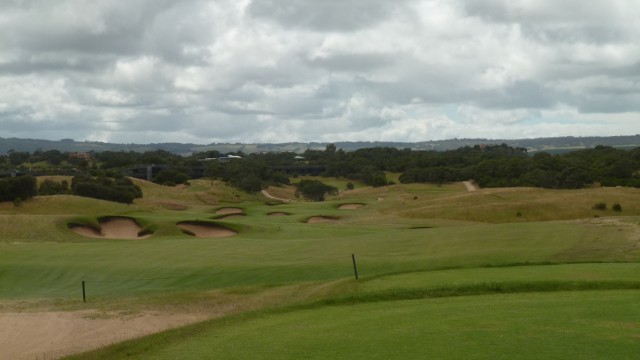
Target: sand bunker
231	216
203	229
278	213
350	206
112	228
23	334
228	211
321	219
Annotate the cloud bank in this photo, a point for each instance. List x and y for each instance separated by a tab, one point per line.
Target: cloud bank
302	70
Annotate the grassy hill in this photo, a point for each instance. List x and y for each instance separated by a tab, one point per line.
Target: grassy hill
433	261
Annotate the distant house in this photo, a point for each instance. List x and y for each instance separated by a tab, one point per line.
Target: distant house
229	158
223	159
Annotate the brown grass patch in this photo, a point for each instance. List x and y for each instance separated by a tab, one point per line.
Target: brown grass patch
170	205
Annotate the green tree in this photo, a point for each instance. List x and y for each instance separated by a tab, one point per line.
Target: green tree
52	187
314	189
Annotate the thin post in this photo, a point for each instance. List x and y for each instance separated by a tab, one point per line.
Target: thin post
355	267
84	293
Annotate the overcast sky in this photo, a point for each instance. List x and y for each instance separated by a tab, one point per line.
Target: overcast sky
307	70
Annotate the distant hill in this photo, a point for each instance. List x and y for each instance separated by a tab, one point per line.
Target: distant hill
553	145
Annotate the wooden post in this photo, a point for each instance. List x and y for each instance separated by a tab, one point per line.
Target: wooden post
355	267
84	293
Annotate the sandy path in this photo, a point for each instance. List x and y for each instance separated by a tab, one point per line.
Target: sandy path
470	186
51	335
265	193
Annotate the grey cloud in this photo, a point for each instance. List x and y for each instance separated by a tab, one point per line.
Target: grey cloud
55	64
519	95
544	11
362	62
109	28
571	21
610	104
327	15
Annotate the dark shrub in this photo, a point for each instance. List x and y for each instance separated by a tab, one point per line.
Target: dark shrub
600	206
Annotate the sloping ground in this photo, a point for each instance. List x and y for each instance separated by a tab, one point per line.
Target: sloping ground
66	204
516	204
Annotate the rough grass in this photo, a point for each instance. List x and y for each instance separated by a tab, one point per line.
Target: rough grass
504	205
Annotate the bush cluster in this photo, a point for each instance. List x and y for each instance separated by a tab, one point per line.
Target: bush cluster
314	189
120	189
23	187
52	187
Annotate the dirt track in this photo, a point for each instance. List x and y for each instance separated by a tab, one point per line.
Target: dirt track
265	193
470	186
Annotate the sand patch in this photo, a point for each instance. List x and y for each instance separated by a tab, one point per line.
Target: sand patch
112	228
278	213
350	206
321	219
85	230
203	229
51	335
228	211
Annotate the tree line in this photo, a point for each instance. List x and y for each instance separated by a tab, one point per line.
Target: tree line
490	166
119	189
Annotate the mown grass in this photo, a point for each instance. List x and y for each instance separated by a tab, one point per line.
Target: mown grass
559	325
278	254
